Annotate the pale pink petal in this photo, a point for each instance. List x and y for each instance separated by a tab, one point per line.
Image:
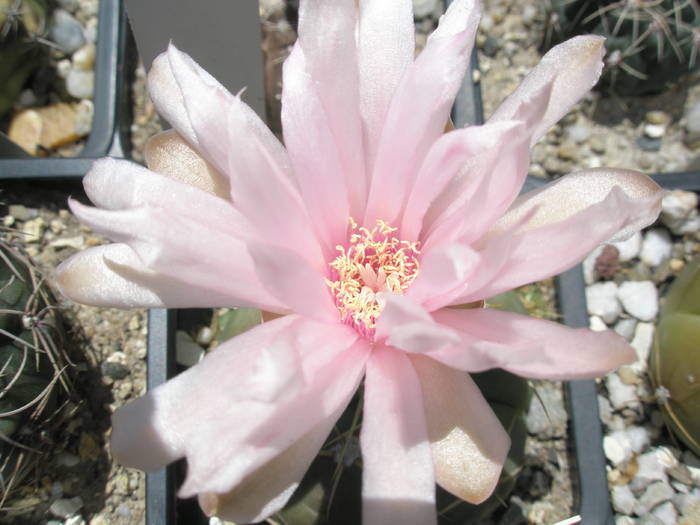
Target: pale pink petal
465	213
199	252
419	110
327	37
294	282
398	485
468	442
386	45
454	166
529	347
256	167
567	72
169	154
113	276
268	489
246	390
445	270
569	218
313	150
406	325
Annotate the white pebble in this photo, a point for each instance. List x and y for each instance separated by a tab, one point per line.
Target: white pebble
652	466
596	324
666	512
654	494
601	299
629	249
640	299
64	508
625	327
656	247
654	131
621	395
63	68
187	352
643	339
623	499
80	84
677	207
617	447
66	31
84	58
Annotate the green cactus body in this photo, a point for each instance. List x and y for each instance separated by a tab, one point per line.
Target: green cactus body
649	42
32	367
674	363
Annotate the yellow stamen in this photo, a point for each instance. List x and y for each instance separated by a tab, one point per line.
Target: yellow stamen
374	261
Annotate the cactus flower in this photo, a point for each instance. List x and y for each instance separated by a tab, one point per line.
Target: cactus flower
362	232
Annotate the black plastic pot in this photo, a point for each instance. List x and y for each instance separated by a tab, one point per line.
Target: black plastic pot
109	132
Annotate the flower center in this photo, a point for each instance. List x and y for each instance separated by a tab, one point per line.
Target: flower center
374	261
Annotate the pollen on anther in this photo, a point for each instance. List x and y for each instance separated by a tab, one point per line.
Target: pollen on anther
374	261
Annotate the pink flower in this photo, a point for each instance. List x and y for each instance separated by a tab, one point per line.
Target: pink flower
361	232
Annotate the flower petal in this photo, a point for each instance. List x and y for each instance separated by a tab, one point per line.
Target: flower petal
397	476
257	168
169	154
268	489
468	442
419	109
203	253
407	326
287	366
113	276
313	150
294	282
567	71
529	347
327	37
386	45
568	218
454	166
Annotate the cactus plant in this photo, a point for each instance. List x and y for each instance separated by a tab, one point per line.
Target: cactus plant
674	363
649	42
33	368
22	22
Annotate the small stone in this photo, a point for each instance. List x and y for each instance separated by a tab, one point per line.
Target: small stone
22	213
653	464
567	151
99	520
628	376
596	324
604	409
654	131
643	339
666	513
77	243
66	32
80	84
8	221
625	520
597	144
187	352
115	370
74	520
639	299
621	395
205	335
63	67
549	423
626	327
656	247
658	117
579	133
67	460
88	447
623	499
616	450
608	262
602	301
33	230
27	98
678	208
424	8
655	493
676	264
84	58
648	144
681	473
48	127
65	507
25	130
84	112
630	248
